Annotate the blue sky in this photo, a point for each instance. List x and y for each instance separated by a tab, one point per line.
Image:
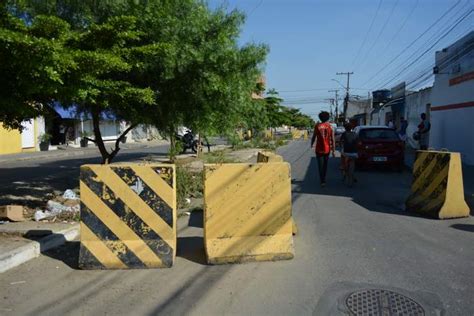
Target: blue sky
311	40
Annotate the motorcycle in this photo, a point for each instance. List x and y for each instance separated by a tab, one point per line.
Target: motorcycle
188	141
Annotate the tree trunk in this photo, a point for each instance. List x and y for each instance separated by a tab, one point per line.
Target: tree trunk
199	147
172	151
207	144
98	137
106	156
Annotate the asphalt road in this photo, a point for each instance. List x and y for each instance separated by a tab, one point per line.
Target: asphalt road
29	182
349	239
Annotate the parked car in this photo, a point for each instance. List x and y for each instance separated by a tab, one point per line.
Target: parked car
379	145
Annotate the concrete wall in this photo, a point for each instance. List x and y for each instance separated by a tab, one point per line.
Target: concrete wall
360	108
110	130
452	112
11	142
379	118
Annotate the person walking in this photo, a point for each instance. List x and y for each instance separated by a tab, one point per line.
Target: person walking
424	132
349	152
324	138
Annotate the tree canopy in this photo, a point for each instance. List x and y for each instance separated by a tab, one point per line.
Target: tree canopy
168	63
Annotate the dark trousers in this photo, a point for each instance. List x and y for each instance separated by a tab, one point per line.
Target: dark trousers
322	166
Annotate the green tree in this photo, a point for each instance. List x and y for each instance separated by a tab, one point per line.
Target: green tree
32	65
169	63
276	112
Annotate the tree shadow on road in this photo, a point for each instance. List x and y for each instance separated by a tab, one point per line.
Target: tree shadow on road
35	184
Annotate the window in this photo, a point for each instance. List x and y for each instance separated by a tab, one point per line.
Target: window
381	133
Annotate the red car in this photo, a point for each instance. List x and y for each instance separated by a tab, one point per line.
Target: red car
379	145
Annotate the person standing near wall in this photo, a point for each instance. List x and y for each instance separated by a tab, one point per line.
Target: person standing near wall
403	129
424	132
324	137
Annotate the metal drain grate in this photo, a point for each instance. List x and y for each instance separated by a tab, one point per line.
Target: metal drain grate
376	302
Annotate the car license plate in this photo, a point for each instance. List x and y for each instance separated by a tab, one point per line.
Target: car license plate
379	158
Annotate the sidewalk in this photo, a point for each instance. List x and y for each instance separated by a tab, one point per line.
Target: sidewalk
63	152
23	241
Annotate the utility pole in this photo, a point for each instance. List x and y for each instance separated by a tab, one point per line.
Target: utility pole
331	104
346	99
335	100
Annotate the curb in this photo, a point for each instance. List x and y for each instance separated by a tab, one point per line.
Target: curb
33	249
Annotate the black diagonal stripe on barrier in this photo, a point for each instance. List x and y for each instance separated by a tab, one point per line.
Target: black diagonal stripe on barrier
426	163
148	235
88	260
440	190
441	163
166	174
151	198
110	239
434	210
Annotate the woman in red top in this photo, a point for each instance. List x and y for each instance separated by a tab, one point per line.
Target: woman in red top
323	134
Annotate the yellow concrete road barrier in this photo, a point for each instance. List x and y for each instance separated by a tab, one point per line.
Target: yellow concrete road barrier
268	156
247	213
437	189
298	134
128	216
268	134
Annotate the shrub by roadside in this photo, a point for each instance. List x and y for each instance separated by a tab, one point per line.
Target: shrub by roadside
189	184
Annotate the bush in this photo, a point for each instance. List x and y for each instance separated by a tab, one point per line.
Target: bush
189	184
176	150
45	138
218	156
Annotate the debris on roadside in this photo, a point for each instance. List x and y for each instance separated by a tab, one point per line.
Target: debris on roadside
61	208
13	213
17	282
70	195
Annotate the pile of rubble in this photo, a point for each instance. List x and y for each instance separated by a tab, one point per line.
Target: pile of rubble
63	208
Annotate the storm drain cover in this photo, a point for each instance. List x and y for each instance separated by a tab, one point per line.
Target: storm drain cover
377	302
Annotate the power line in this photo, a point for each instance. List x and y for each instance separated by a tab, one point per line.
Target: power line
412	43
385	50
255	8
378	35
433	37
425	76
368	32
318	89
429	48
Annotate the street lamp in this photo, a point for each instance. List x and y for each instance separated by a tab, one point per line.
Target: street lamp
339	83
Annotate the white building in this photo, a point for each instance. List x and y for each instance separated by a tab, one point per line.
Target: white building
452	108
416	103
359	109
